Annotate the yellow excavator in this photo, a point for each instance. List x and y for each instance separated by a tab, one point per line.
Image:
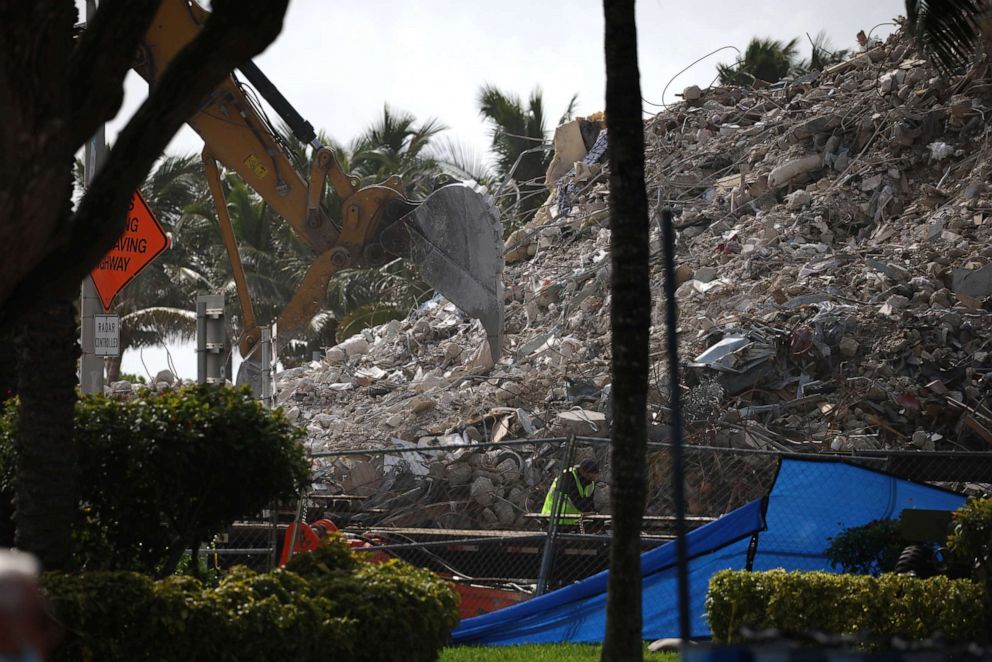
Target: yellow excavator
453	236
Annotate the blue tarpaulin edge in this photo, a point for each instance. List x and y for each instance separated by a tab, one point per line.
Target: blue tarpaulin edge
810	501
738	524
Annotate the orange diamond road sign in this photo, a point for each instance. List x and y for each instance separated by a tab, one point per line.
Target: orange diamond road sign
142	241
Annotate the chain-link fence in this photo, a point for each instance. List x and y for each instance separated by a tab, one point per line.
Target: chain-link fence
256	542
473	512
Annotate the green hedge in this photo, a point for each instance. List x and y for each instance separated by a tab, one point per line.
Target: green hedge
406	613
166	471
883	607
339	608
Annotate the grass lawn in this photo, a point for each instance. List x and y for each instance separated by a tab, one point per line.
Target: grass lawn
537	653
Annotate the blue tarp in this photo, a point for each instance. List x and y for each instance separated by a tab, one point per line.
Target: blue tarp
578	612
811	501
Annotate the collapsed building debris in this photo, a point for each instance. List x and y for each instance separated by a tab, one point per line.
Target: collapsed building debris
835	269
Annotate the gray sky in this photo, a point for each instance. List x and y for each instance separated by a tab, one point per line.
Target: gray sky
338	62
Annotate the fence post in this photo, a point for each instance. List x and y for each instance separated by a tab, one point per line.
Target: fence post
274	536
547	560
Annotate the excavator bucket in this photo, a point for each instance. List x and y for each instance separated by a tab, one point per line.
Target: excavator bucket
456	243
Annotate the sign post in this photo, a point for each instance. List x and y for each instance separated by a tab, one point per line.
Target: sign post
90	365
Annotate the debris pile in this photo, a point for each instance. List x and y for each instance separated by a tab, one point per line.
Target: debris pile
834	275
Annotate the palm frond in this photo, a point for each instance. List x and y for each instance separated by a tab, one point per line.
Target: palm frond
946	30
461	161
569	113
157	325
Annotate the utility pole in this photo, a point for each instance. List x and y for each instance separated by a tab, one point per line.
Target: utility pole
91	365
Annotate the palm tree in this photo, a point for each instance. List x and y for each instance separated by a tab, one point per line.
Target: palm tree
519	142
395	145
461	162
950	31
822	54
275	259
766	60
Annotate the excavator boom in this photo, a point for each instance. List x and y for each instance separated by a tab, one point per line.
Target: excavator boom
453	236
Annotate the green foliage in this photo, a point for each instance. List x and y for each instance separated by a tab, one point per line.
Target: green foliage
946	30
366	317
822	54
112	616
164	472
332	556
133	379
406	613
972	535
767	60
867	550
885	606
519	144
539	653
327	604
367	297
971	544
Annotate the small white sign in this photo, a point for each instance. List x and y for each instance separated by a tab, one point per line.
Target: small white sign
107	338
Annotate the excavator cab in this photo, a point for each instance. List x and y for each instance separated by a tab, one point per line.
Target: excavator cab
453	237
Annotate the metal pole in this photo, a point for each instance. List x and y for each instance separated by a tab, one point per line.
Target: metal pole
90	365
266	360
274	537
675	402
211	338
547	560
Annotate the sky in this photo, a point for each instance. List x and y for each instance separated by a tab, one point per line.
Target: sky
339	62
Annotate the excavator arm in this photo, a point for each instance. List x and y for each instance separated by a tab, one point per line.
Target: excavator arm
453	236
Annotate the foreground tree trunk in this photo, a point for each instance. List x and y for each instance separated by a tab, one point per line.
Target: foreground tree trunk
54	92
8	363
630	319
45	489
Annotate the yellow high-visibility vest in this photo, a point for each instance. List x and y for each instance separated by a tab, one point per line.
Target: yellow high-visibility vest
566	507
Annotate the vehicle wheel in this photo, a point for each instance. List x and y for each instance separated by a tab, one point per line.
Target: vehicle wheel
916	560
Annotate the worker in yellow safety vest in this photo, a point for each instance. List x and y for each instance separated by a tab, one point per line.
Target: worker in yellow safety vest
577	487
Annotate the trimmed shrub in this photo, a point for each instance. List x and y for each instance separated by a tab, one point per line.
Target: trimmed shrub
404	612
867	550
334	606
164	472
883	607
126	616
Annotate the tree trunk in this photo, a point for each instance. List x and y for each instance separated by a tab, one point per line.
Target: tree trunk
630	319
54	93
8	363
114	368
46	497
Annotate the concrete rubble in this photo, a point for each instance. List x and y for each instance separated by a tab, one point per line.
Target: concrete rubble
835	269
